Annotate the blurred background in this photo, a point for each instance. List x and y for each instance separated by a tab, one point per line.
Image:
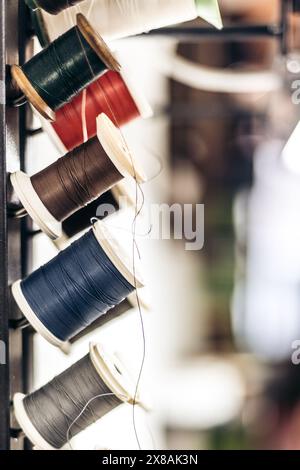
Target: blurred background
223	323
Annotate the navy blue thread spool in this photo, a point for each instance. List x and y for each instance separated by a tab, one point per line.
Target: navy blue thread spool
69	64
124	308
112	142
79	285
113	375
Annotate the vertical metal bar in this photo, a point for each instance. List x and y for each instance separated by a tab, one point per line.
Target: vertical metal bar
15	151
26	224
4	368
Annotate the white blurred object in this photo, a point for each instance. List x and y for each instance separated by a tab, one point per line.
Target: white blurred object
201	394
266	301
202	77
124	18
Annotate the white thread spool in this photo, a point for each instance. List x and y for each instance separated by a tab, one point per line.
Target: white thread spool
118	19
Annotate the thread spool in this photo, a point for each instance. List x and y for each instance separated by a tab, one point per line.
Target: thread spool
127	305
52	6
46	414
87	172
125	18
58	73
122	193
81	283
81	220
113	94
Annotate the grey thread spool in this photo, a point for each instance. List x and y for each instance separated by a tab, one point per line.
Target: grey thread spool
75	399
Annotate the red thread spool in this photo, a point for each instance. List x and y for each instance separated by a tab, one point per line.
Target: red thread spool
110	94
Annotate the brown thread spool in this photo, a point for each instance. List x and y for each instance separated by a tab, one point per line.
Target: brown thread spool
75	180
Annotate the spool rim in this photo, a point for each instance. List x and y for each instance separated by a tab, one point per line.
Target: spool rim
25	423
112	141
34	206
144	303
97	43
34	320
117	255
125	189
31	94
113	372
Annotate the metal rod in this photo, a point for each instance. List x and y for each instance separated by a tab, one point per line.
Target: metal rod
255	31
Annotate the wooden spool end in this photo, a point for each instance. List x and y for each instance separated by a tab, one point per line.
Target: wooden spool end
97	43
31	94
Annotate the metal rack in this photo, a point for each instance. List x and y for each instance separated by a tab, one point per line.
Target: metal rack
14	243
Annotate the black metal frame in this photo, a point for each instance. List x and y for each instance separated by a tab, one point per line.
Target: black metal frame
4	368
233	32
228	32
15	374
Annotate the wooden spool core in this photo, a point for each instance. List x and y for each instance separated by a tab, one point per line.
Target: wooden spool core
97	43
31	94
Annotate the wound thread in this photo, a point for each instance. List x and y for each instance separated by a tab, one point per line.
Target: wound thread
76	179
81	219
75	288
57	405
109	95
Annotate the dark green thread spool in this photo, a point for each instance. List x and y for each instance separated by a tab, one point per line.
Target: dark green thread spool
59	72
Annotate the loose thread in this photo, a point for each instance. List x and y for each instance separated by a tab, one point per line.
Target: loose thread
137	212
109	94
122	18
